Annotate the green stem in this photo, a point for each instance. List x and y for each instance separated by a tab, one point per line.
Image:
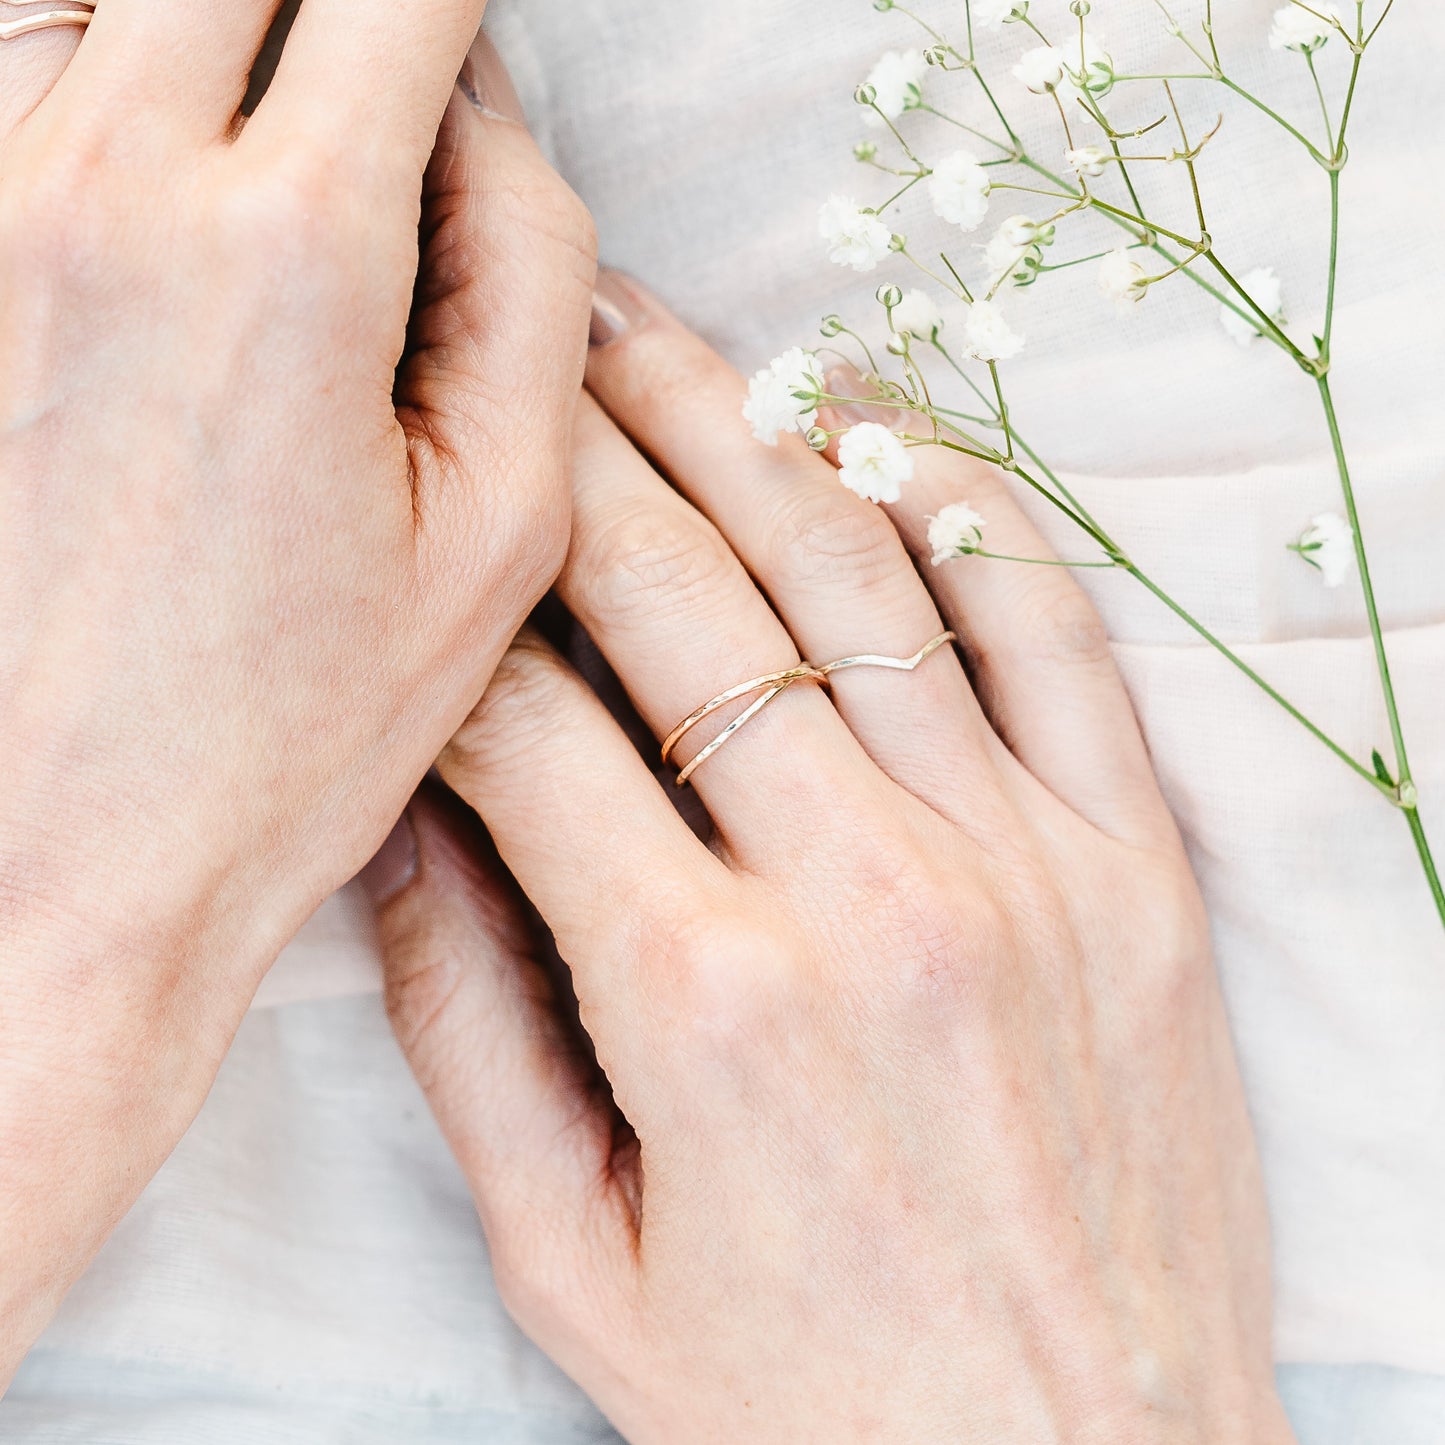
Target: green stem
1382	661
1422	847
1225	651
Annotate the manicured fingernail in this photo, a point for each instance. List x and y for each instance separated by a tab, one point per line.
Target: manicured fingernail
847	380
394	865
485	82
615	310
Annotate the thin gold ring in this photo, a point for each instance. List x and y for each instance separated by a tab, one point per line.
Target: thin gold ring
771	685
44	20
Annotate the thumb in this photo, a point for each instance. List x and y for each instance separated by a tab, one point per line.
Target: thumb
497	344
511	1084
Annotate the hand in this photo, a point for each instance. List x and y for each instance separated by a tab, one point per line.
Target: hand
935	1131
252	574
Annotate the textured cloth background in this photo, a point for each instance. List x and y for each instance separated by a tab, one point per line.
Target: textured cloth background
308	1268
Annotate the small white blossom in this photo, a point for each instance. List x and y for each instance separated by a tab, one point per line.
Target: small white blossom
1328	543
1087	160
1264	286
917	315
1096	73
873	462
855	237
988	336
783	396
956	531
1041	69
987	13
1122	279
959	188
1295	28
896	82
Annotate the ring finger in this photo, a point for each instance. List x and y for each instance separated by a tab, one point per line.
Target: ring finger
680	621
33	53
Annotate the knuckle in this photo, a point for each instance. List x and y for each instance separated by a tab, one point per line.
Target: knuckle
527	691
1060	624
643	565
719	973
825	537
54	217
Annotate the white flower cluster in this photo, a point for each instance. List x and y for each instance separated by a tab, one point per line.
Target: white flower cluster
1263	285
783	396
959	188
895	85
854	236
1301	29
1328	543
1122	279
957	531
874	462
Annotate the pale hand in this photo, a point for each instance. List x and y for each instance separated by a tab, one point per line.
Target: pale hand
251	575
938	1131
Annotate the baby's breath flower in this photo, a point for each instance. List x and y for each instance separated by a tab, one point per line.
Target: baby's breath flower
1041	69
855	237
1122	279
896	82
1016	250
987	13
1096	73
988	336
873	462
783	396
957	531
917	315
1087	160
1294	28
959	188
1328	544
1264	286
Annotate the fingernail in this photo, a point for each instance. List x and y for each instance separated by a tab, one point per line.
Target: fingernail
615	310
847	380
394	865
485	82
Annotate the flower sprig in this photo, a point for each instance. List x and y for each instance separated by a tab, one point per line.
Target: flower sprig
1092	181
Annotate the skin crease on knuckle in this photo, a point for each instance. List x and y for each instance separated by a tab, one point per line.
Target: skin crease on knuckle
824	540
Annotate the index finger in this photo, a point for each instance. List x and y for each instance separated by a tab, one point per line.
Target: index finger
371	75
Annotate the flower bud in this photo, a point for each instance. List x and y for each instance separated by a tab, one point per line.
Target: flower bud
831	326
817	438
865	151
898	344
865	95
889	295
883	6
1080	8
898	243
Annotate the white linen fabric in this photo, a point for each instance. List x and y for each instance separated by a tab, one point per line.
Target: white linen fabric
307	1267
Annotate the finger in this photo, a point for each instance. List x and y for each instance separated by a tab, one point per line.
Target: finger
497	339
831	563
188	61
371	76
31	60
1040	656
679	620
515	1094
575	812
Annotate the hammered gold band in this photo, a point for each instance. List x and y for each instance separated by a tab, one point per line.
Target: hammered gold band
44	20
772	685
